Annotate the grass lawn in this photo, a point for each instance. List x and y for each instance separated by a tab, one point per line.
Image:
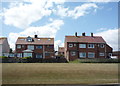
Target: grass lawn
59	73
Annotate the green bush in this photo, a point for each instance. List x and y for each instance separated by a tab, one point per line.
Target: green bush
95	61
3	57
26	57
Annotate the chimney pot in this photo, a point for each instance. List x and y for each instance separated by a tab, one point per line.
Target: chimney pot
91	34
76	34
36	36
83	34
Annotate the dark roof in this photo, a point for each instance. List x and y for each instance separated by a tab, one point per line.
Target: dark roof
85	39
2	39
22	40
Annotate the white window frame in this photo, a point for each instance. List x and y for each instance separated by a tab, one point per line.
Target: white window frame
12	55
102	45
74	44
37	47
29	39
41	56
23	46
92	54
81	54
18	46
30	47
89	46
73	53
101	54
27	54
19	55
70	45
110	54
82	45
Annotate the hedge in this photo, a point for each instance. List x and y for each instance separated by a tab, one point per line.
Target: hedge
96	61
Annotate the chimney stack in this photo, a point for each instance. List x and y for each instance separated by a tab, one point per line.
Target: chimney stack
91	34
36	36
76	34
83	34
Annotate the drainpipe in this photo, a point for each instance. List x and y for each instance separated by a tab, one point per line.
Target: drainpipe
43	51
105	51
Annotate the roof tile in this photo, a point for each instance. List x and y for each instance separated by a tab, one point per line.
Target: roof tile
22	40
85	39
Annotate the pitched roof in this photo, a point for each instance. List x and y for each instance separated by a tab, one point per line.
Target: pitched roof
2	39
22	40
60	49
85	39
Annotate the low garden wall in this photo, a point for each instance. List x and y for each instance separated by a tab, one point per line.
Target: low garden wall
32	60
55	60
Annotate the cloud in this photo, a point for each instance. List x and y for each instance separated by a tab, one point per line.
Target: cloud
102	29
12	38
111	37
48	30
102	0
25	14
77	11
61	11
58	43
21	15
82	10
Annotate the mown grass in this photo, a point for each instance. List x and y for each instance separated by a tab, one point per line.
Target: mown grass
59	73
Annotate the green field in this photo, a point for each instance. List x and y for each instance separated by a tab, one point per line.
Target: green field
59	73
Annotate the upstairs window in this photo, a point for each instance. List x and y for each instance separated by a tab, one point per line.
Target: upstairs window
91	45
70	45
101	45
31	47
29	39
18	46
82	45
39	47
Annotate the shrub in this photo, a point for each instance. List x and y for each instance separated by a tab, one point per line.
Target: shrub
95	61
26	57
3	57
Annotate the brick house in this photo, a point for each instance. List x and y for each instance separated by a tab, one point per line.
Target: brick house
4	47
116	54
35	47
61	51
86	47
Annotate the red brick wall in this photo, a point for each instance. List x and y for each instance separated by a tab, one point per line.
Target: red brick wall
46	49
96	50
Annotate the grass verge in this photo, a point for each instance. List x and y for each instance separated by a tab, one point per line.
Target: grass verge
59	73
